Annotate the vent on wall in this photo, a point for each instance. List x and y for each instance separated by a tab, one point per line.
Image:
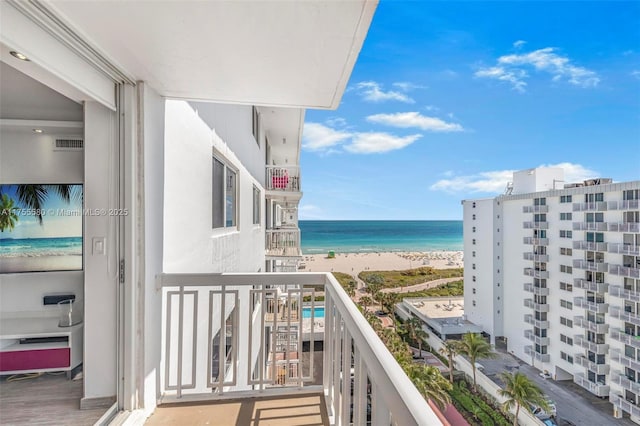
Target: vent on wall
69	144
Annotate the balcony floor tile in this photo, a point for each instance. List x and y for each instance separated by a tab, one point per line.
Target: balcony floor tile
267	411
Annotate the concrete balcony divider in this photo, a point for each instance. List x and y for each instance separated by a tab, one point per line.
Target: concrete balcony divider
263	331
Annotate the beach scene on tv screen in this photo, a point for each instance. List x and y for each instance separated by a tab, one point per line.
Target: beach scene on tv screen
40	228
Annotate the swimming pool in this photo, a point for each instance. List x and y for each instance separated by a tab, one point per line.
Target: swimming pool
318	312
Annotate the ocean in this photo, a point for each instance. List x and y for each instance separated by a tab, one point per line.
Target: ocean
36	247
361	236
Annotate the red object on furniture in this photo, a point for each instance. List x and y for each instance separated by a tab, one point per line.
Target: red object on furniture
280	182
35	359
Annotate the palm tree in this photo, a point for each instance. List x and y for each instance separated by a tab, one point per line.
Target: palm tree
8	216
365	301
520	391
430	383
416	332
450	350
474	346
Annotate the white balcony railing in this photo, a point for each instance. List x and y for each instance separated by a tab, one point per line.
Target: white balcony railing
535	257
529	350
619	313
536	241
624	227
261	351
622	293
529	334
597	348
624	205
621	248
592	366
598	389
530	319
536	273
535	209
628	339
591	305
283	178
541	291
582	322
590	245
590	285
589	265
535	225
540	307
619	357
624	405
584	207
283	242
627	383
589	226
624	271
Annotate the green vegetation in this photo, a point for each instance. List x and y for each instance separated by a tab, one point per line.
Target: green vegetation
474	408
520	391
450	351
347	282
473	346
455	288
317	298
391	279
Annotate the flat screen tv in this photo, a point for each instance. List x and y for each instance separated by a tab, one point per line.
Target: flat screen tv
40	227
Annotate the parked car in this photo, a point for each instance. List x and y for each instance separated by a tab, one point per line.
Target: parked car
549	422
542	414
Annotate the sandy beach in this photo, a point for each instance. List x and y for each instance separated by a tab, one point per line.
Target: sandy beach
354	263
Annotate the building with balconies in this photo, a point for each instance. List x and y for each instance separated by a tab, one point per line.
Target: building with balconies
184	119
576	247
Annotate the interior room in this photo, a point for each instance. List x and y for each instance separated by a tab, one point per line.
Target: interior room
43	249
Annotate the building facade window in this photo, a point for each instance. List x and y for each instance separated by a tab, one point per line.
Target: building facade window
565	198
474	291
256	205
473	204
566	357
566	269
566	251
473	217
540	201
473	229
566	286
473	254
473	266
224	195
566	234
566	304
566	339
473	242
255	124
565	216
566	322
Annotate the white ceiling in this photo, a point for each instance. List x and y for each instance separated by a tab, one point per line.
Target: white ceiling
279	53
23	98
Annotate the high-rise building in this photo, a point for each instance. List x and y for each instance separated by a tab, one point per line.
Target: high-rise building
553	268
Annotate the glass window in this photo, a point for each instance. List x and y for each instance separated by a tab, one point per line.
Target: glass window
256	205
224	195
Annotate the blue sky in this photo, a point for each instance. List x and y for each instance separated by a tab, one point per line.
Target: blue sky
447	99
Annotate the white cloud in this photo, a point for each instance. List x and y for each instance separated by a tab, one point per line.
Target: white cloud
405	86
510	68
500	73
518	44
414	119
496	181
336	122
318	137
377	142
635	74
373	92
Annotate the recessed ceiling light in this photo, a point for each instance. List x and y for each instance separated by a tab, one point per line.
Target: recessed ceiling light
18	55
38	130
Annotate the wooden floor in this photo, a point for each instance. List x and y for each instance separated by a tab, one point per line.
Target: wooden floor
307	410
46	400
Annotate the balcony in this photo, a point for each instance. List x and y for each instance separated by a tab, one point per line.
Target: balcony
543	341
622	293
589	226
619	357
624	271
627	339
283	242
592	366
261	351
536	273
589	245
589	265
591	306
590	285
623	315
620	248
624	405
535	225
624	227
599	206
624	205
582	322
530	319
598	389
283	179
541	291
529	350
540	307
535	209
536	241
627	383
597	348
536	257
